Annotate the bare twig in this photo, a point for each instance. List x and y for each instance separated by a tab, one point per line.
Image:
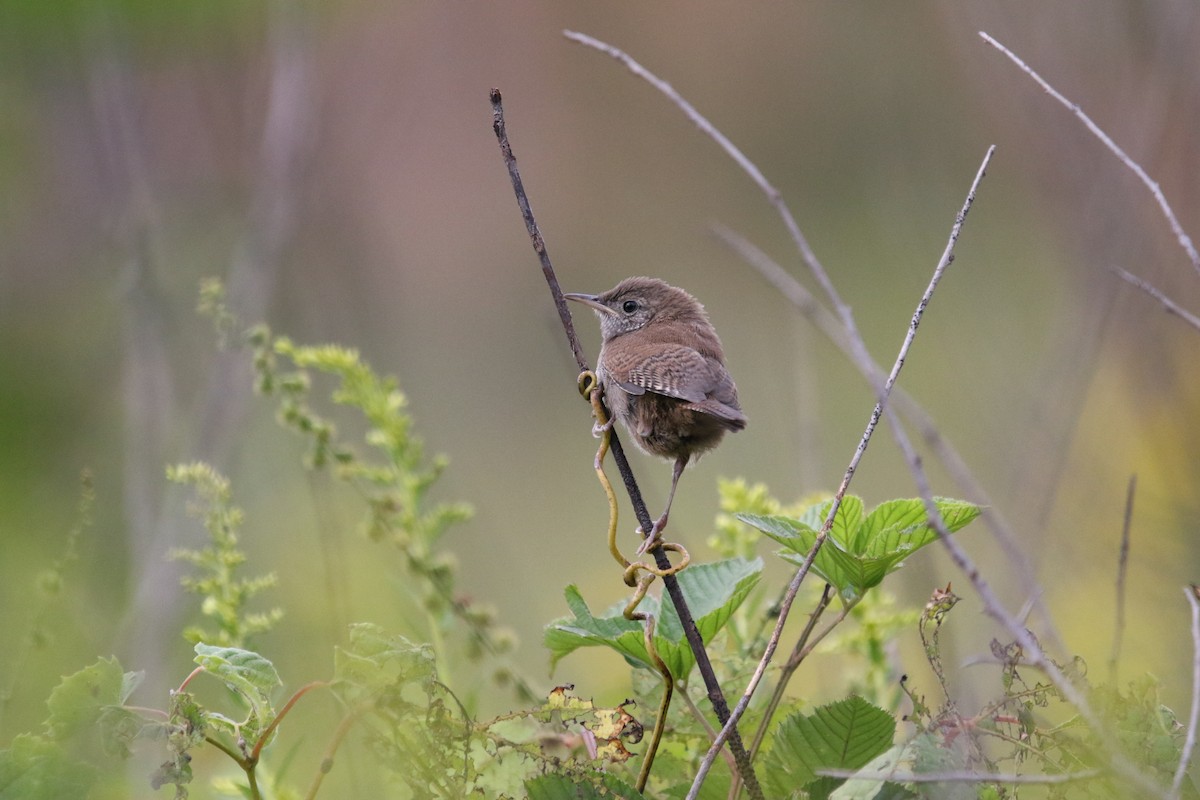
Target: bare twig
882	388
1122	569
773	195
840	328
709	730
1031	649
905	776
703	663
916	415
943	263
1170	305
805	644
1181	236
799	652
1192	593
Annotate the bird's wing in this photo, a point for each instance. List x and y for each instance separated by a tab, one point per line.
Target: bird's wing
681	372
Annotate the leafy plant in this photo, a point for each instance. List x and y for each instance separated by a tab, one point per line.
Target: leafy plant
224	595
845	735
397	700
862	548
714	592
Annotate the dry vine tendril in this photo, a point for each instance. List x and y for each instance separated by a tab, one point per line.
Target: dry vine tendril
670	583
589	387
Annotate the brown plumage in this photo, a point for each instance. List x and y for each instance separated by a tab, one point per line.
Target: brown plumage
663	373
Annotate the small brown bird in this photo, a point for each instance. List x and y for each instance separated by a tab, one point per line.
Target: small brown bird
663	373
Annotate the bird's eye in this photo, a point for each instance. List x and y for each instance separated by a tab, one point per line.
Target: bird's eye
630	306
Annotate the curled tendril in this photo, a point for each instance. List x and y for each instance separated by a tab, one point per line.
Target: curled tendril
589	387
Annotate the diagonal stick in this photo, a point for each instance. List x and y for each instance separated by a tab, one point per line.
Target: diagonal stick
686	620
1184	240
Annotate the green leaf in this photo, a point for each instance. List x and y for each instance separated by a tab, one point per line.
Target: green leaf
560	787
119	727
245	672
860	550
79	699
901	526
34	768
375	662
565	635
896	757
842	735
712	591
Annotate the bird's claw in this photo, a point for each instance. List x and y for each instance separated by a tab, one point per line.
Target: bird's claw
599	430
652	539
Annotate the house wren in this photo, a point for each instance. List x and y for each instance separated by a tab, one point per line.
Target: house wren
663	374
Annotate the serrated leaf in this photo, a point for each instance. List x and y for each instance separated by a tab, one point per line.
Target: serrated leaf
833	564
713	592
560	787
119	727
34	768
860	550
901	526
129	683
243	671
376	661
79	699
585	629
842	735
896	757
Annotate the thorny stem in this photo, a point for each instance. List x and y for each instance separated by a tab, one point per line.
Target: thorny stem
703	663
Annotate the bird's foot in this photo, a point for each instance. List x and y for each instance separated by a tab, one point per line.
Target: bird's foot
654	538
599	430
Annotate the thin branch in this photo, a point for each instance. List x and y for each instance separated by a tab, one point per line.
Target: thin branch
943	263
1170	305
773	195
1184	240
1192	593
845	335
799	652
903	776
670	582
882	388
1032	650
1122	569
698	715
992	604
917	416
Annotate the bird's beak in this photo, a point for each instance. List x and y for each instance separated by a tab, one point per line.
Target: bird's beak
592	300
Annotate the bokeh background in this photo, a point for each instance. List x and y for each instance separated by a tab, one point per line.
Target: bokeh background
335	164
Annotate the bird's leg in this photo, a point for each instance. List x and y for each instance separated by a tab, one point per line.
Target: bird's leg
652	538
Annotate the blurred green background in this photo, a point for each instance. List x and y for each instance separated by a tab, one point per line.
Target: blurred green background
335	164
